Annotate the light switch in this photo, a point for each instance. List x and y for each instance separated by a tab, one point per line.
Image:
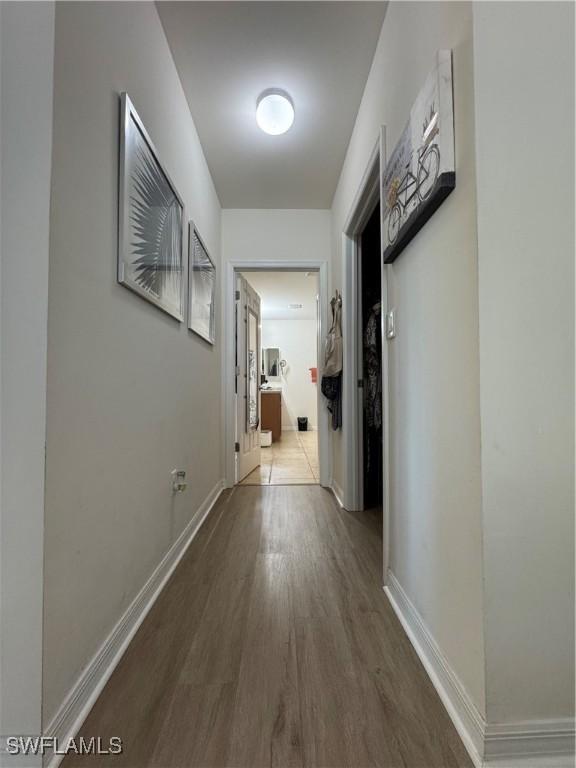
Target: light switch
391	324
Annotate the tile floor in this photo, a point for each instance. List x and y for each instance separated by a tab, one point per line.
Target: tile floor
293	460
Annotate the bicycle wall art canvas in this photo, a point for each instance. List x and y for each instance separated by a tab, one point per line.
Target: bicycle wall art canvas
420	173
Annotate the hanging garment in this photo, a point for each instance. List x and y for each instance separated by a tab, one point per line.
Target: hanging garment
333	348
331	383
332	390
373	371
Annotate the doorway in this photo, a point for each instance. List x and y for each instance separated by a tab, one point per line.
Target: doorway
290	421
288	376
370	362
361	224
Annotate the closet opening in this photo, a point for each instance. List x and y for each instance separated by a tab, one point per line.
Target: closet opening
370	362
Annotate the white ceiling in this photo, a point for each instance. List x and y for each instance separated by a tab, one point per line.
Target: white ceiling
227	53
279	289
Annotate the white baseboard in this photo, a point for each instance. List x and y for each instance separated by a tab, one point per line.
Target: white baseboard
468	721
337	491
533	744
537	761
83	694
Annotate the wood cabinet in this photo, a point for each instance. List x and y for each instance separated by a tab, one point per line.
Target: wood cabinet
271	413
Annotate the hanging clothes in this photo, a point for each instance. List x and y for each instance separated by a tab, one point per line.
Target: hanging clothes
333	347
332	391
331	384
373	370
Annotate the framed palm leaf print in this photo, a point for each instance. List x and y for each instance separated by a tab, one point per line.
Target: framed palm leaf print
201	288
151	214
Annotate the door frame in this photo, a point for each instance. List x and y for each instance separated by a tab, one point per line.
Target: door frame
27	65
367	196
270	265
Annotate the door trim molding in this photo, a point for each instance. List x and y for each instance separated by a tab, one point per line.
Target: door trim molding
269	265
27	40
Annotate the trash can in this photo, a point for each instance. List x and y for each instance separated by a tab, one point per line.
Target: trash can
265	438
302	423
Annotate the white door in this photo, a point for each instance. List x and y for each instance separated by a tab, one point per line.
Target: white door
248	367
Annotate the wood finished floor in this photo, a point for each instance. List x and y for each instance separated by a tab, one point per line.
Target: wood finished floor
273	644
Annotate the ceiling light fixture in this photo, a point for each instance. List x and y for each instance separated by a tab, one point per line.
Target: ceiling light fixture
274	111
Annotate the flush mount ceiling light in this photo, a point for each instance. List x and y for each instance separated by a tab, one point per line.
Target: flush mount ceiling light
274	112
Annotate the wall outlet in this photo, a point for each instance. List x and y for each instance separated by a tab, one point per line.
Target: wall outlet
178	481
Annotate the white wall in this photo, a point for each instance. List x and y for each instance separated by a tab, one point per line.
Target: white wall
297	342
282	235
524	89
26	66
435	484
131	393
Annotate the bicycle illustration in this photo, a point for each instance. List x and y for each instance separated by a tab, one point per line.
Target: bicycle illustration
412	187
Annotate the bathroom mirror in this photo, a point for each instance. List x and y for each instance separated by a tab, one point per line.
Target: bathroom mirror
271	362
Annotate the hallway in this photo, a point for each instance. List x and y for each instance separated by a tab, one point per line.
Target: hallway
382	156
274	645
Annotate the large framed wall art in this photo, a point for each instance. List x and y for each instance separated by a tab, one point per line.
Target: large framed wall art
420	172
201	288
151	214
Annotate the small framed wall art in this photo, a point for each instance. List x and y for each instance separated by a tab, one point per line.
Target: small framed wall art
151	214
201	288
420	172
